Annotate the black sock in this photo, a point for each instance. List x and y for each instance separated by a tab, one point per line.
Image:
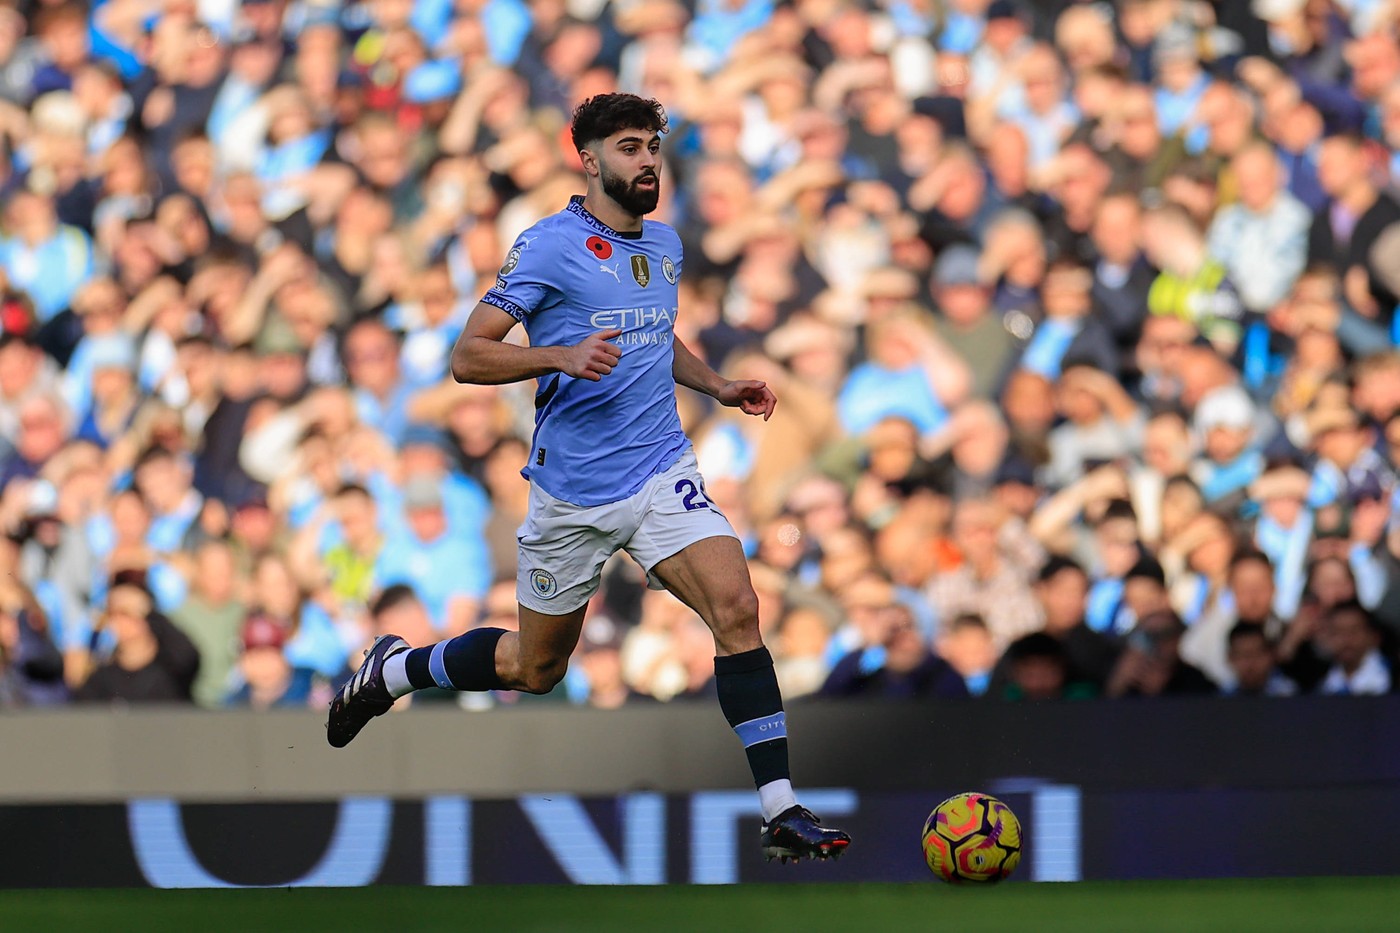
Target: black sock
749	696
467	662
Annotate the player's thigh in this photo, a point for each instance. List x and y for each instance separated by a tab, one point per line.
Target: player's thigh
562	549
548	639
686	545
711	576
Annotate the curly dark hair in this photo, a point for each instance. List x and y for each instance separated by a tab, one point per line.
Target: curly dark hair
601	116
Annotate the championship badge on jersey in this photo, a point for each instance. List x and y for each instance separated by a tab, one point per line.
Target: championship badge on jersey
641	270
512	260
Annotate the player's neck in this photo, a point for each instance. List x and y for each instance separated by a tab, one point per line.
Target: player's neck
611	213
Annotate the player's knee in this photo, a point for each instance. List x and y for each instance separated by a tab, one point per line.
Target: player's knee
542	678
736	618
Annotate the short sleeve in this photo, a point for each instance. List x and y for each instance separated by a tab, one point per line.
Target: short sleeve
526	280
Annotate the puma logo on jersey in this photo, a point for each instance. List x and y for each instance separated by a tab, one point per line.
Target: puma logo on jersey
611	270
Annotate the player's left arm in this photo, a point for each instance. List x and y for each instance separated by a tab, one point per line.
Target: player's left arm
749	395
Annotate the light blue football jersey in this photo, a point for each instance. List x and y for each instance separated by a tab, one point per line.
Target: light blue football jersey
568	276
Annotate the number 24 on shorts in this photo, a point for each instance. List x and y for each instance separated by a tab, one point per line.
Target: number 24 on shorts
693	498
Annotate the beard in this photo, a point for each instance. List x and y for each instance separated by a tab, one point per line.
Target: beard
634	200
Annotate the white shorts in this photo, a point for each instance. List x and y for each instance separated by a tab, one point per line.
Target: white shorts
563	546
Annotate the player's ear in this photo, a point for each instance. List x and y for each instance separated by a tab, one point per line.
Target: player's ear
589	160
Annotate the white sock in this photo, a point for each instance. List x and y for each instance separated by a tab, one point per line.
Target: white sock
775	797
396	675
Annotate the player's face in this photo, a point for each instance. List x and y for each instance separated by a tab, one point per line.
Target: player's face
629	166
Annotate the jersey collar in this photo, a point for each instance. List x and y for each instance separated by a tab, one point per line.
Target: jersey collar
576	207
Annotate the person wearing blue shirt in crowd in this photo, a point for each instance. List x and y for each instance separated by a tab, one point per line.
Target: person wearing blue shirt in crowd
450	572
911	374
44	258
1225	421
1069	331
430	326
381	395
424	454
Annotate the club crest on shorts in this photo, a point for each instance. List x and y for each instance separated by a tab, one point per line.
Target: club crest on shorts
668	269
512	260
542	582
641	270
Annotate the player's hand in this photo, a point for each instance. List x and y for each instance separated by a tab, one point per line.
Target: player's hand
749	396
594	357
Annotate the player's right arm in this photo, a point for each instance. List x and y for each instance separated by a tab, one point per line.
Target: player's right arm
482	357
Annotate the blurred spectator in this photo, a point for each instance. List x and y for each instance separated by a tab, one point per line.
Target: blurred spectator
46	259
1067	333
268	680
1086	657
1262	239
1036	669
965	320
31	668
1063	590
1253	592
967	646
152	661
1252	663
897	665
1144	592
1102	424
212	617
1122	275
381	397
919	377
800	658
1191	285
1343	234
1353	638
1200	592
450	572
1151	664
993	581
601	666
341	557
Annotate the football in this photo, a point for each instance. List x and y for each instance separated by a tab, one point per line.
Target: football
972	837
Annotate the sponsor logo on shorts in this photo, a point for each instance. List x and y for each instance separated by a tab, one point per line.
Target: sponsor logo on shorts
542	582
668	269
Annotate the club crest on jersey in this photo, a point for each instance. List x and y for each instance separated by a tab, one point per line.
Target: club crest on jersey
512	260
668	269
542	582
641	270
599	247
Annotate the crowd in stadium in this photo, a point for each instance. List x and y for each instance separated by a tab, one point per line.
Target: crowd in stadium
1081	317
